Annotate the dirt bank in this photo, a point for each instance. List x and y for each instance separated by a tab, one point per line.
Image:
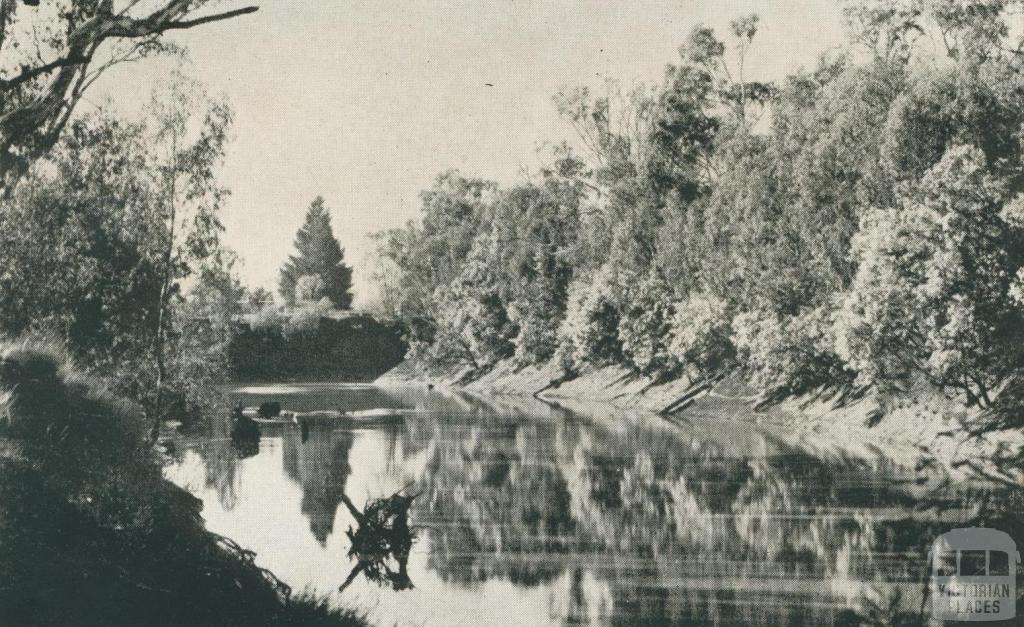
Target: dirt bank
91	533
920	427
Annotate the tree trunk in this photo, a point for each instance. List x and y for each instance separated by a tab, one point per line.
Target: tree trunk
165	287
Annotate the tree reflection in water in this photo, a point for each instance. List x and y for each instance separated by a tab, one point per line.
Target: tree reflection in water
683	527
631	520
317	460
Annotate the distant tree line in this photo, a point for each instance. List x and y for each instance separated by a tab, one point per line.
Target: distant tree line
271	347
859	222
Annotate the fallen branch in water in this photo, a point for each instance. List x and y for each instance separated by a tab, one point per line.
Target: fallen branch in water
382	534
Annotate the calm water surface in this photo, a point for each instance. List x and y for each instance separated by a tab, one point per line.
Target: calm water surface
528	514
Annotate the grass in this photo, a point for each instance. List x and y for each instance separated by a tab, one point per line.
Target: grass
90	531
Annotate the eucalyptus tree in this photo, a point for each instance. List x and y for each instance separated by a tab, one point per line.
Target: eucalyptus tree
53	51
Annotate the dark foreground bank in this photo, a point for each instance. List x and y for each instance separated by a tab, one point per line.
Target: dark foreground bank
90	531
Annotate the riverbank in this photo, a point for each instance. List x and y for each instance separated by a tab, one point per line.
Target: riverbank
92	534
920	427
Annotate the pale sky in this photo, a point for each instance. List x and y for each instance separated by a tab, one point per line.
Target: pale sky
365	101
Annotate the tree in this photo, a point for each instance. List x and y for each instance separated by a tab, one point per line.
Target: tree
646	310
936	288
258	299
319	255
51	55
76	242
189	134
700	335
871	224
420	259
95	246
309	289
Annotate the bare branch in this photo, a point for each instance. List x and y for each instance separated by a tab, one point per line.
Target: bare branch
31	122
158	23
30	73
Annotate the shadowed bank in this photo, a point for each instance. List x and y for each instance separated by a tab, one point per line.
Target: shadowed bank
90	531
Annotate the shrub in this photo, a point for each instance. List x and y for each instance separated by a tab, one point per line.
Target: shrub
266	317
537	314
306	319
91	526
353	348
787	354
645	317
472	327
590	331
700	334
935	290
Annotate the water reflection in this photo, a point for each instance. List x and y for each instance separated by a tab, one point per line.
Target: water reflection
558	516
316	458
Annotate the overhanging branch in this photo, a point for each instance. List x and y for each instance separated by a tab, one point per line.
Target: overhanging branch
28	74
160	22
227	15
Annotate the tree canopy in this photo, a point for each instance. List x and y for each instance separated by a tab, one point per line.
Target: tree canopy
53	51
858	221
318	270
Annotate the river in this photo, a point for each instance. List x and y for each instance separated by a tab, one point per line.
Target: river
531	514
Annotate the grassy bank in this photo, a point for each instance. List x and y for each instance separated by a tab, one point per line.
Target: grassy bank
90	531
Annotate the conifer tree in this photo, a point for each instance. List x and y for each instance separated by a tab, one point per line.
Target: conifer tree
318	254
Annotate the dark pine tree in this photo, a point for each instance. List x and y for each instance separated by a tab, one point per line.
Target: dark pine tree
319	254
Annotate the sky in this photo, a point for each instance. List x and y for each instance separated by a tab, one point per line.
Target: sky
365	101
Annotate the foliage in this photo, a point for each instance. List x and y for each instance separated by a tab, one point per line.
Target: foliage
645	314
91	528
352	348
933	293
700	334
319	256
258	299
472	317
306	319
50	60
79	244
116	219
788	354
869	226
204	328
430	256
534	245
590	331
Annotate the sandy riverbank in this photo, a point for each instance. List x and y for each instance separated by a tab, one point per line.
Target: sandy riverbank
921	427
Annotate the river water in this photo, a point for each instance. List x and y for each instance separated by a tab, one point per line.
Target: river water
528	514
